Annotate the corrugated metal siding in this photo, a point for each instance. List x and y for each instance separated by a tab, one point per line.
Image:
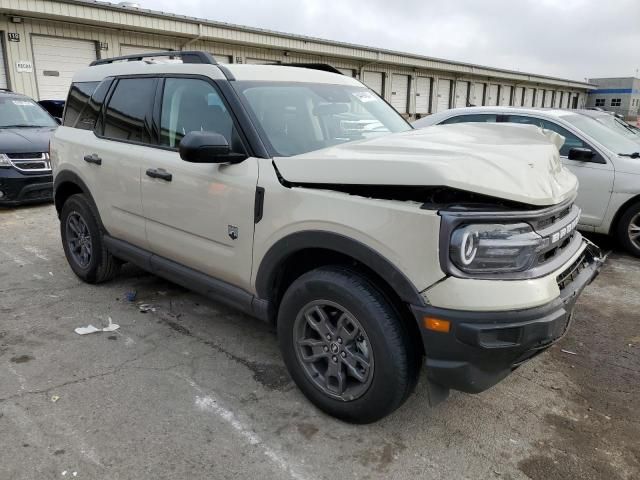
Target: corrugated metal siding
4	81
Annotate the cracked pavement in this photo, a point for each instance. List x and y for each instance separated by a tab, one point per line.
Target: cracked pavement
196	390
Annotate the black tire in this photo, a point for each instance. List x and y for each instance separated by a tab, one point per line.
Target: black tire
100	265
391	355
630	220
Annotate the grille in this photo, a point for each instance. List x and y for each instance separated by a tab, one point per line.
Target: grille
571	272
548	221
30	162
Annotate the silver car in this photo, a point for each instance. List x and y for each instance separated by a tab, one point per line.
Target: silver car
614	123
606	162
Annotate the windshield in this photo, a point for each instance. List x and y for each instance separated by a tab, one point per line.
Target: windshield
619	126
301	117
606	136
22	112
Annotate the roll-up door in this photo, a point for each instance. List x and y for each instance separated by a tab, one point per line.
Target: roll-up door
462	94
548	98
517	98
556	99
260	61
399	92
492	95
3	73
56	60
476	96
374	81
423	93
444	95
505	95
349	72
528	97
222	58
539	97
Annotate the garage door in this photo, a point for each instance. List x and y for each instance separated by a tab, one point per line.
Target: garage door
539	97
462	94
423	92
374	81
443	101
476	96
133	49
348	72
260	61
3	73
505	95
517	98
56	60
399	92
528	97
548	98
492	95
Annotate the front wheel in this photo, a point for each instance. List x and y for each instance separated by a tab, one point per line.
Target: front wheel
345	345
629	229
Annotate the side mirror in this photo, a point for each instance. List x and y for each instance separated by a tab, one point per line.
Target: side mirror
207	147
581	154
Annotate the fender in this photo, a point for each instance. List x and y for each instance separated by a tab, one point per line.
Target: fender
295	242
67	176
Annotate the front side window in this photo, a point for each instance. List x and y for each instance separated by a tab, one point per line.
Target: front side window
296	118
475	118
18	112
128	114
193	105
599	102
570	140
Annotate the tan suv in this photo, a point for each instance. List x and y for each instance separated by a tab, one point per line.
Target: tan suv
299	196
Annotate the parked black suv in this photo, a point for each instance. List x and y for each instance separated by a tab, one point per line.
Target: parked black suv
25	170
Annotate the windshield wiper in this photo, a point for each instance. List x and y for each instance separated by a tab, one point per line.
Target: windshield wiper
21	125
631	155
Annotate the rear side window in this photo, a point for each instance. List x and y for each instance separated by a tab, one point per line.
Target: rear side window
475	118
570	140
128	114
78	98
89	115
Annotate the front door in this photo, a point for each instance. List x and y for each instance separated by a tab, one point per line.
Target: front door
199	214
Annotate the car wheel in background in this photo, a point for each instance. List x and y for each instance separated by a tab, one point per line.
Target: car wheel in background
629	229
82	242
345	345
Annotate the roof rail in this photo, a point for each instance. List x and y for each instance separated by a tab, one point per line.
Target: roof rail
325	67
187	57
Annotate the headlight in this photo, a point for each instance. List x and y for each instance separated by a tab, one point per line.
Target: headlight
495	248
5	162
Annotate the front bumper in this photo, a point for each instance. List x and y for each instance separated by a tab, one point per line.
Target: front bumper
481	348
18	188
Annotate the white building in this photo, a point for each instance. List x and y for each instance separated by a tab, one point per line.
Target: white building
45	41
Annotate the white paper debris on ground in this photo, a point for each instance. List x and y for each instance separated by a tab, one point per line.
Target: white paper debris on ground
145	307
55	398
568	352
112	327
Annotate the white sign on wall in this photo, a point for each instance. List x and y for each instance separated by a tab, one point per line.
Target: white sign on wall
24	66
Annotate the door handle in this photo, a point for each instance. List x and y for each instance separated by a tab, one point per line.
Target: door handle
160	173
93	158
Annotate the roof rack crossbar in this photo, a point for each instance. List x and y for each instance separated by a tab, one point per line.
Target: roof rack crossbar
191	56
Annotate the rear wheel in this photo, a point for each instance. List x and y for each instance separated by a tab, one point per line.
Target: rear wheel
345	345
629	229
82	242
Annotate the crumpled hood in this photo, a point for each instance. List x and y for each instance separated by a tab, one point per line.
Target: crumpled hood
513	162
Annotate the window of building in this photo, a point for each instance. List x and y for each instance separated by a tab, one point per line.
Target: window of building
128	115
616	102
192	105
599	102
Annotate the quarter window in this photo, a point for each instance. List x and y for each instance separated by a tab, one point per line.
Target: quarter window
570	140
599	102
616	102
192	105
77	99
129	111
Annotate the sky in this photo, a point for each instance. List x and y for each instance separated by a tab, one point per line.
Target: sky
574	39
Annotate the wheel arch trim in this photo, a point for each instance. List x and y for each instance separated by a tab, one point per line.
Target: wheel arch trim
280	251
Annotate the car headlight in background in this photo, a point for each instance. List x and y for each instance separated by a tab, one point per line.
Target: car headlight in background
5	162
495	248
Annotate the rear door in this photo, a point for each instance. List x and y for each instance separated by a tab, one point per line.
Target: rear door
595	177
200	214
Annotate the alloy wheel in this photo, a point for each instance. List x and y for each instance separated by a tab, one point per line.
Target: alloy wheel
79	239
